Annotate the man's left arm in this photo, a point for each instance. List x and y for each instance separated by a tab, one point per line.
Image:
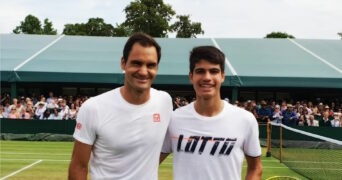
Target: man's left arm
254	168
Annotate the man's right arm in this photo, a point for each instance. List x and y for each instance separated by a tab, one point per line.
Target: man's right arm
78	168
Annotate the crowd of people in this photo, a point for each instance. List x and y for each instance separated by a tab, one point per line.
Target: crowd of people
42	108
299	113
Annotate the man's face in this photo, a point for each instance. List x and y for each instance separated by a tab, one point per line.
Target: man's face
207	79
140	68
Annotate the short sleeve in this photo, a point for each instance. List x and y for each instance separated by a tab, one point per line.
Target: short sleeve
85	130
252	144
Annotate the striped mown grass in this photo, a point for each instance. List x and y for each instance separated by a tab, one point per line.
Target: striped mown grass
50	160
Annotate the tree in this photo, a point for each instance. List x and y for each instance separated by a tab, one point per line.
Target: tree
185	28
279	35
94	27
340	34
48	29
149	16
31	25
75	29
122	31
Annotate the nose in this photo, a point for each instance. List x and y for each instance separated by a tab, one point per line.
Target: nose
143	70
206	75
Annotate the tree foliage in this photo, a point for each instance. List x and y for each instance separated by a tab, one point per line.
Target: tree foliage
122	31
32	25
149	16
185	28
340	34
94	27
48	27
279	35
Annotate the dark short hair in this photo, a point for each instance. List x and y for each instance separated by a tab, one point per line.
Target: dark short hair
144	40
207	53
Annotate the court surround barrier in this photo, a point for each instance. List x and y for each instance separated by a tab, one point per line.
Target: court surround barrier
37	130
53	130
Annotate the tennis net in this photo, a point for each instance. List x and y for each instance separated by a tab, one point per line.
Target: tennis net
311	155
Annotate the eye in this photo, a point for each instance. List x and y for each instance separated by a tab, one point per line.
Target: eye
214	71
136	63
199	71
151	65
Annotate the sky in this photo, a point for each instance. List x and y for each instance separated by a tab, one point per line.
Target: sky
304	19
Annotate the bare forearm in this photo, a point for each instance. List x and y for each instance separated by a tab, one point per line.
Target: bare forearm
254	174
77	173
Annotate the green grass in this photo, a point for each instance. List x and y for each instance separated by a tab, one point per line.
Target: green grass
50	160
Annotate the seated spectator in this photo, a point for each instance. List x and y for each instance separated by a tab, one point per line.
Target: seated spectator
56	115
64	109
289	116
72	114
277	115
264	113
7	108
24	115
251	107
50	98
13	114
40	110
177	103
42	100
325	120
302	121
283	106
46	114
52	104
2	112
336	121
312	122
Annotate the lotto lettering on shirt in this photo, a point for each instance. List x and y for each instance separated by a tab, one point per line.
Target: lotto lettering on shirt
190	144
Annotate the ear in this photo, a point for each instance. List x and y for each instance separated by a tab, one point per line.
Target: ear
191	76
123	64
223	77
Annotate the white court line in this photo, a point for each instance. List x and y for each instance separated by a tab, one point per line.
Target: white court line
33	154
22	169
53	160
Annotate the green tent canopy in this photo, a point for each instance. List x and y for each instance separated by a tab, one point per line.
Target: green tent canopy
249	62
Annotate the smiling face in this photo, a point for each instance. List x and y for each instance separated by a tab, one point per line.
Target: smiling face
207	79
140	68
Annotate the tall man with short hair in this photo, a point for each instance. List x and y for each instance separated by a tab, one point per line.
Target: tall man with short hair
121	131
209	137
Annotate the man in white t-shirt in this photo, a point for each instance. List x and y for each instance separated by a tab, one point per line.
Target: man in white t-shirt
121	132
209	138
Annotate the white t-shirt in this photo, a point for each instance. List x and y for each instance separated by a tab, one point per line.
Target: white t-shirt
211	147
126	138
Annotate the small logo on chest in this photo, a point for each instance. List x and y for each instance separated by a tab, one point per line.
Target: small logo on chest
156	117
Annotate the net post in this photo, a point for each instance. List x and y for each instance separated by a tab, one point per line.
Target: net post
281	144
269	130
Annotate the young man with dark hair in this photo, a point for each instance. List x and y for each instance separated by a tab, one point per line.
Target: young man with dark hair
121	132
209	137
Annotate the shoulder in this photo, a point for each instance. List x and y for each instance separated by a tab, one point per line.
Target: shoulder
238	112
160	94
96	101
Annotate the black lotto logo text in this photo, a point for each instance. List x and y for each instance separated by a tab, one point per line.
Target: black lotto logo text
193	141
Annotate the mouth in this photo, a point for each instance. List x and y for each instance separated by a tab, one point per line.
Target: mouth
142	79
206	87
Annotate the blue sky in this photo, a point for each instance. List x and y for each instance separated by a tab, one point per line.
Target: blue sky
305	19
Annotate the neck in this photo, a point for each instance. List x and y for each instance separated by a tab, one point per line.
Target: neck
208	107
134	96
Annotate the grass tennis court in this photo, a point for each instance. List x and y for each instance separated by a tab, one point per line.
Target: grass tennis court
50	160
